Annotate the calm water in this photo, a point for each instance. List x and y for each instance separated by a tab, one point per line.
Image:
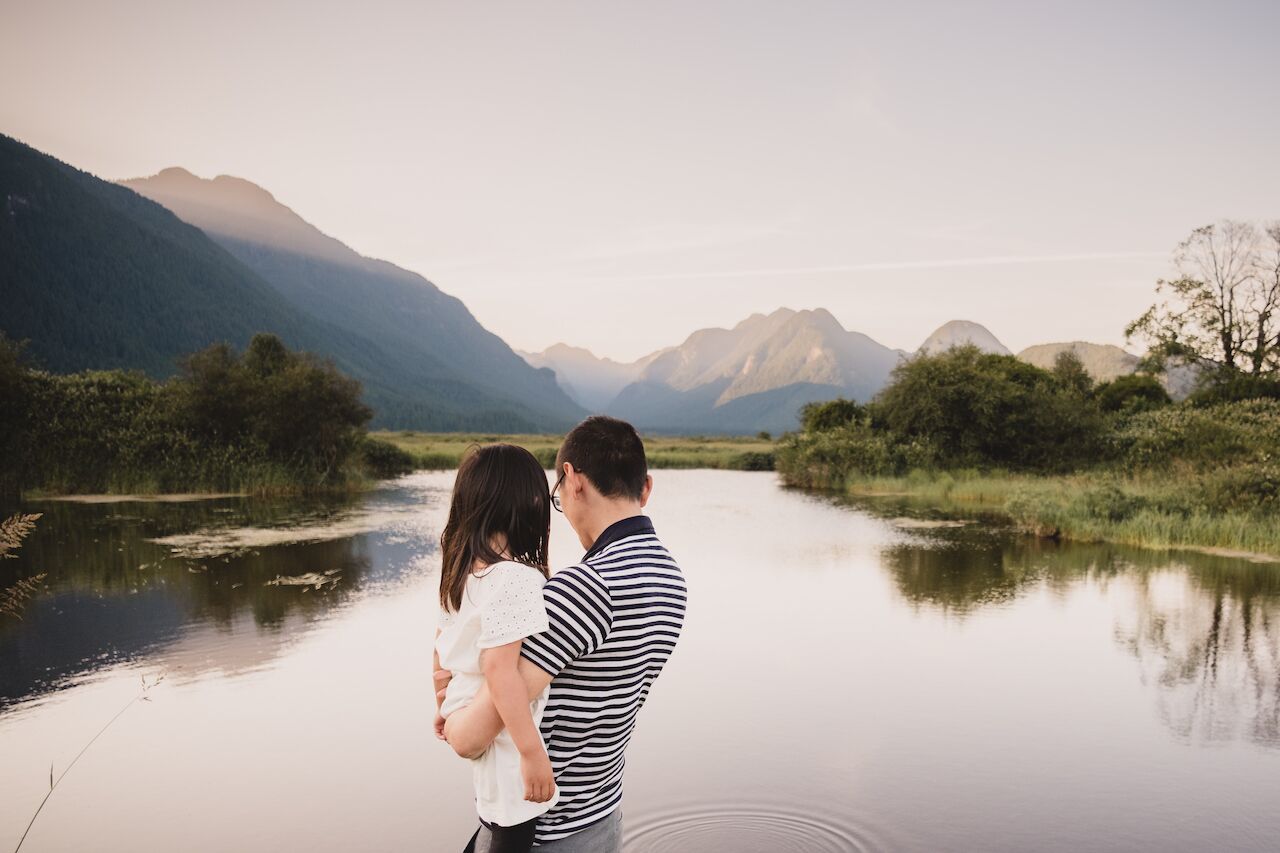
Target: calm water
847	681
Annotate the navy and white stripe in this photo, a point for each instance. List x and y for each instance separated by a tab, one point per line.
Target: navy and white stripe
615	618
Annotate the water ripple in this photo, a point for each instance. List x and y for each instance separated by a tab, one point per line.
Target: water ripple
740	829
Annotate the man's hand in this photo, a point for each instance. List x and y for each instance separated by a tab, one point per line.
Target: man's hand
441	677
539	783
470	730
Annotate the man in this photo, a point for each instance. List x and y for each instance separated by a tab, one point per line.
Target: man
614	620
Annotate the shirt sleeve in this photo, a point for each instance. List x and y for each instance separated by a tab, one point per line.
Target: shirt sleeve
579	616
512	608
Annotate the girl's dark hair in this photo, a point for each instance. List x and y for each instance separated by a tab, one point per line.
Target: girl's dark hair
500	489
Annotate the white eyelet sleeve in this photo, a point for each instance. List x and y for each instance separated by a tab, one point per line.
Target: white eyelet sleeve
512	607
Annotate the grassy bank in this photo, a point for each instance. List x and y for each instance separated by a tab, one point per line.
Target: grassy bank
1156	511
442	451
1060	456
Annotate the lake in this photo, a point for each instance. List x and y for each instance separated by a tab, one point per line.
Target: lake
852	676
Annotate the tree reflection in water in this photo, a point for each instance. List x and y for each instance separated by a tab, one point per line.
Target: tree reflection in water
115	594
1205	629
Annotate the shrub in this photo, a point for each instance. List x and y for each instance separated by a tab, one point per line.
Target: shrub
1241	487
829	415
1137	392
1233	386
1200	437
384	460
980	409
752	461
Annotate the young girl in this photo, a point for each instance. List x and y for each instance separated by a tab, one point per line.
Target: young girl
494	565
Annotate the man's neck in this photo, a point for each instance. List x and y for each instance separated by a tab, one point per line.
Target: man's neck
609	515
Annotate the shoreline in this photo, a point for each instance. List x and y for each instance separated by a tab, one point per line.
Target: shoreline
1085	508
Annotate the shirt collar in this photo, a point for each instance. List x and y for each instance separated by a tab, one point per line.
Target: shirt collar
619	530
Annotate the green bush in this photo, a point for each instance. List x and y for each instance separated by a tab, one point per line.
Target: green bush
1254	488
1200	437
268	420
980	409
752	461
384	460
829	415
1232	387
1137	392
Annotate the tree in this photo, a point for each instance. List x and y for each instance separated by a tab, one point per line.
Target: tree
1069	370
830	414
982	409
14	403
1132	393
1222	310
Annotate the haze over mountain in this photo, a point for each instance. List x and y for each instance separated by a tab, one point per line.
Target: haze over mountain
753	377
960	333
758	374
433	339
97	277
590	381
1104	362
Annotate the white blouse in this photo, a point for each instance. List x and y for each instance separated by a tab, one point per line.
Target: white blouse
500	605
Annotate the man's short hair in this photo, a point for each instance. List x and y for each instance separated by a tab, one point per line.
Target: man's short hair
609	453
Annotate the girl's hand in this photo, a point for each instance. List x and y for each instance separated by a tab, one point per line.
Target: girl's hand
539	782
439	726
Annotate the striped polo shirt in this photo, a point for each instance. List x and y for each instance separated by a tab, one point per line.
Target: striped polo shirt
614	620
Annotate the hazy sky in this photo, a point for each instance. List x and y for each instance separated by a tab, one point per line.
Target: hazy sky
618	174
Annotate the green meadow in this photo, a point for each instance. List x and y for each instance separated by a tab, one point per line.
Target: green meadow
442	451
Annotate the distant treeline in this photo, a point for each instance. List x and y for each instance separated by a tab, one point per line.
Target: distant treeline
1059	453
968	409
266	419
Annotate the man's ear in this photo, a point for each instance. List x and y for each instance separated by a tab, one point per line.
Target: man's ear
574	480
647	490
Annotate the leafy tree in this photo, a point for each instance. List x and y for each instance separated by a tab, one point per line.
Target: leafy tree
982	409
1069	370
13	411
831	414
1235	387
1136	392
1222	310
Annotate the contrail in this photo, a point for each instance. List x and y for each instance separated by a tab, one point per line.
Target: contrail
995	260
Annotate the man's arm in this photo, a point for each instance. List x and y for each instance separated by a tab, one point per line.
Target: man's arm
579	614
470	730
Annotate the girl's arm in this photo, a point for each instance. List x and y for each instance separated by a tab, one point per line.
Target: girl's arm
440	689
511	699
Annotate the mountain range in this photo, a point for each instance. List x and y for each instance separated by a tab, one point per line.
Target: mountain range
137	274
757	375
100	275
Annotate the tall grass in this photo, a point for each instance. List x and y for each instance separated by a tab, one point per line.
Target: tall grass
443	451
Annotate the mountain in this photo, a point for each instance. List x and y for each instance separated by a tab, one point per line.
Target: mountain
591	381
448	371
1104	362
98	277
960	333
755	376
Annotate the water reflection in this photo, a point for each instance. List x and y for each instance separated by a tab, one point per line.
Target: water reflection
1204	628
213	577
1209	643
846	680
